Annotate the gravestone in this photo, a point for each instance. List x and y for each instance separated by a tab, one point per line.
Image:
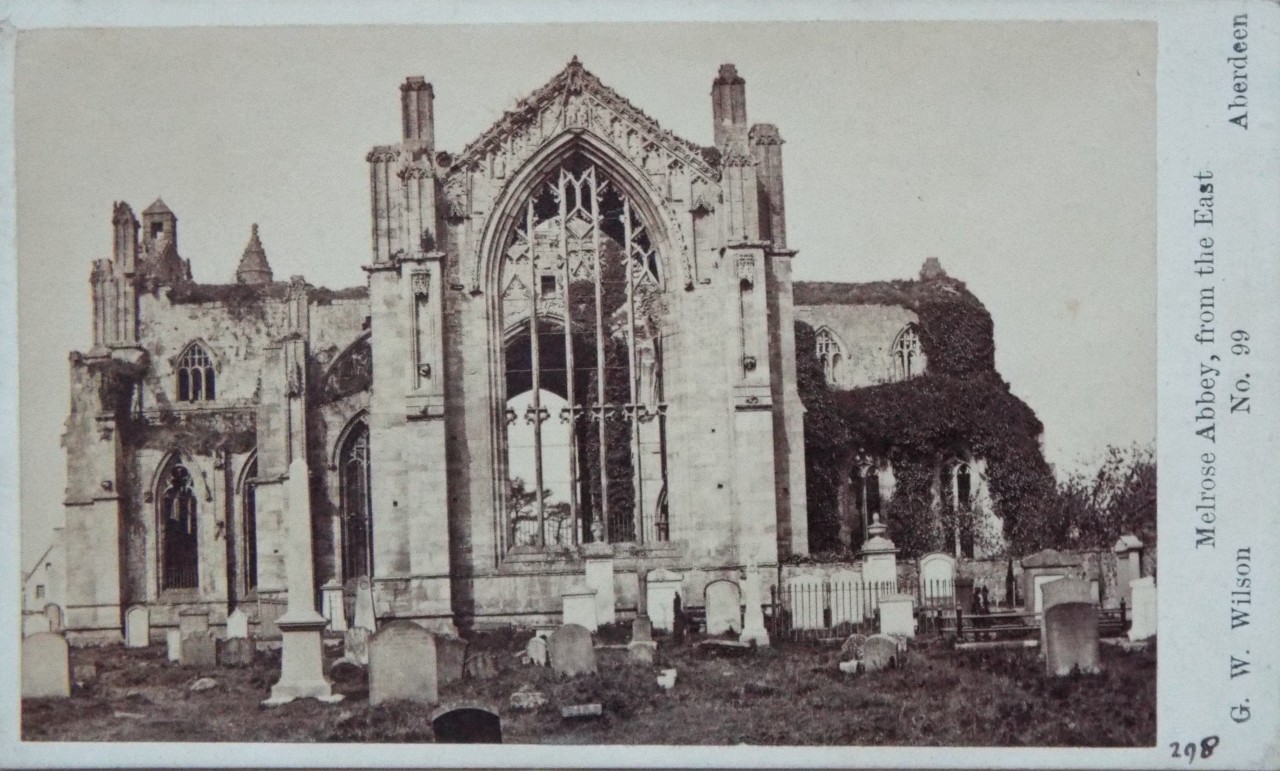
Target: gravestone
806	600
173	645
236	652
34	623
851	650
571	651
451	658
536	650
466	725
661	586
45	666
846	597
193	621
1069	627
53	612
642	648
481	666
879	558
897	615
527	698
937	580
137	627
237	624
599	576
580	606
879	652
402	664
199	649
1128	551
724	607
356	645
364	616
1142	624
1042	568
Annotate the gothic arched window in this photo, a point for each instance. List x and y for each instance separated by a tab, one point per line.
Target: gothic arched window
582	309
195	375
864	483
907	357
956	487
179	524
357	509
830	354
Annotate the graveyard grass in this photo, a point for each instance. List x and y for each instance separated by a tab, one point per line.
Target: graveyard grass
791	694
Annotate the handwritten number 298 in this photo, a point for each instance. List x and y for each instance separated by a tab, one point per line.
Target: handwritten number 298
1191	750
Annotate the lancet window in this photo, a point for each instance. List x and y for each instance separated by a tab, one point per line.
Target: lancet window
956	486
830	354
586	423
196	380
907	357
179	525
357	508
249	500
864	488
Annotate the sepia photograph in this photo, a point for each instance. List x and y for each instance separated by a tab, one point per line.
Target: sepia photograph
696	383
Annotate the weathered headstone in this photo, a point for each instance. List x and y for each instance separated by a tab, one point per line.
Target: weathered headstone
45	666
753	630
173	645
53	612
137	627
199	649
527	698
236	652
193	621
599	576
661	588
806	599
848	600
481	666
851	650
1143	610
466	725
402	664
34	623
536	650
641	629
724	607
1069	627
1128	551
237	624
580	606
897	615
642	648
879	652
364	616
938	580
571	651
333	606
451	658
356	645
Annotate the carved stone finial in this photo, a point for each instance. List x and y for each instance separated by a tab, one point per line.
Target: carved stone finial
253	268
932	269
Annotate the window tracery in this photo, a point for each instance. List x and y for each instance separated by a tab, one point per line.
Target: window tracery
196	379
831	354
357	508
582	304
907	357
957	487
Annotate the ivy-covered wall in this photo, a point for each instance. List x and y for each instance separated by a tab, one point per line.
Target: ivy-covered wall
959	407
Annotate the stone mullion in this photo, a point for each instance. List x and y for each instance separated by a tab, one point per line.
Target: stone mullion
590	181
568	355
535	367
632	409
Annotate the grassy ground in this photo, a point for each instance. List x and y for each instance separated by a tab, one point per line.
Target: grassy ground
789	694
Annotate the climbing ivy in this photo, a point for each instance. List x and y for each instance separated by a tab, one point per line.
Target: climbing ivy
960	406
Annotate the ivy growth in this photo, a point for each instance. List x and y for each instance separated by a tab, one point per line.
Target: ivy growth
959	407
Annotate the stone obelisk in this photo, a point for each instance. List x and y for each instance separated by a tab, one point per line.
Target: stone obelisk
301	660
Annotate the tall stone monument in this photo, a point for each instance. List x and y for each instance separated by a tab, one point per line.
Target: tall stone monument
753	630
301	661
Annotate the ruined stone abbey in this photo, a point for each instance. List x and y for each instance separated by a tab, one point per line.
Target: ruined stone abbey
575	335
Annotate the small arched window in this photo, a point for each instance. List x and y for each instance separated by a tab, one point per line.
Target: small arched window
956	487
179	524
830	354
907	358
195	375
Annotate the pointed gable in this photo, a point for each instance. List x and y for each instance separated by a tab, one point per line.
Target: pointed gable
576	98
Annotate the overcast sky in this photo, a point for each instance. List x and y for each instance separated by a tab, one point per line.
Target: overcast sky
1022	155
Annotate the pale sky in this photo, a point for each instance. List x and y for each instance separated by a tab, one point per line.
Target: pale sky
1022	155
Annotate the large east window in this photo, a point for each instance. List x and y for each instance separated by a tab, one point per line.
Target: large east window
585	416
